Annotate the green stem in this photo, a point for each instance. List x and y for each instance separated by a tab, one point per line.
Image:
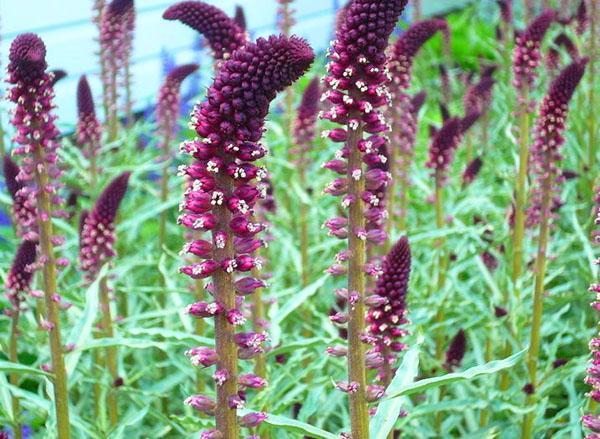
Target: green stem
128	97
226	348
442	261
111	353
538	298
93	167
359	416
592	89
258	315
14	378
304	239
113	121
61	397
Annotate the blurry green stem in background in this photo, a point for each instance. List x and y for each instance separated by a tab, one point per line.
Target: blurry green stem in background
59	382
538	297
442	262
14	377
128	96
304	236
359	414
111	353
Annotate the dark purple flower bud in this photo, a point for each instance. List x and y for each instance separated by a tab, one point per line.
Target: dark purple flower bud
306	118
489	260
479	96
247	285
375	393
347	387
337	351
202	356
98	229
444	144
19	277
89	130
205	309
528	389
236	402
472	171
252	420
252	381
456	351
582	18
223	34
500	312
506	11
240	17
545	151
527	55
57	75
202	403
23	211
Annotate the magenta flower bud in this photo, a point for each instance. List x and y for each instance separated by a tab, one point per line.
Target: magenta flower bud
247	285
376	301
221	376
24	213
205	309
526	55
456	351
340	318
97	234
337	166
235	317
252	420
246	263
374	359
375	393
200	270
202	356
347	387
167	107
223	34
376	178
337	351
252	381
89	130
202	222
236	402
202	403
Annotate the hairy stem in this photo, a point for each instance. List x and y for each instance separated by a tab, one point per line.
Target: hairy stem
111	353
359	416
61	397
14	377
226	348
538	298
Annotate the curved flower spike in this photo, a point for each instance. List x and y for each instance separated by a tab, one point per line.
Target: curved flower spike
223	34
20	274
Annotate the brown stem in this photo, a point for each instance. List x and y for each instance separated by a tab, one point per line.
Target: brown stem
111	353
61	397
14	378
359	416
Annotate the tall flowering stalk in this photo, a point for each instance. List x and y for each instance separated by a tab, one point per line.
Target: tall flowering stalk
89	130
36	141
17	284
221	200
97	238
402	111
477	100
545	160
115	42
357	80
594	16
223	33
304	136
591	421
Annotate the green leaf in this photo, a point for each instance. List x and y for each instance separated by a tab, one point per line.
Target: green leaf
5	397
431	383
131	418
133	343
7	366
82	331
295	426
389	410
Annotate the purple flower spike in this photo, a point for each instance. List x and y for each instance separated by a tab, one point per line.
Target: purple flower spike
545	151
472	171
506	11
167	108
527	55
582	18
456	351
23	213
98	230
240	17
479	96
89	130
444	144
385	320
306	120
20	274
223	34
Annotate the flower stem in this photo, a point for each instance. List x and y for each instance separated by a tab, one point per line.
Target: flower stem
112	103
61	397
226	348
111	353
128	98
258	315
93	167
304	240
442	261
538	297
359	416
592	127
14	378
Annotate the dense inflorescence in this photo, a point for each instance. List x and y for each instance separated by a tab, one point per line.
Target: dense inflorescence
506	11
240	17
553	58
89	130
21	272
444	144
167	108
34	123
306	120
545	151
222	197
527	54
472	171
387	314
24	214
97	228
456	351
592	421
223	34
478	97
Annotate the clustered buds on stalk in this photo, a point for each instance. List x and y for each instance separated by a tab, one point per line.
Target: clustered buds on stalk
240	17
21	272
97	229
527	54
456	351
167	108
592	421
306	120
387	312
582	18
24	214
34	123
545	151
221	199
472	171
553	56
89	130
223	34
478	97
444	144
